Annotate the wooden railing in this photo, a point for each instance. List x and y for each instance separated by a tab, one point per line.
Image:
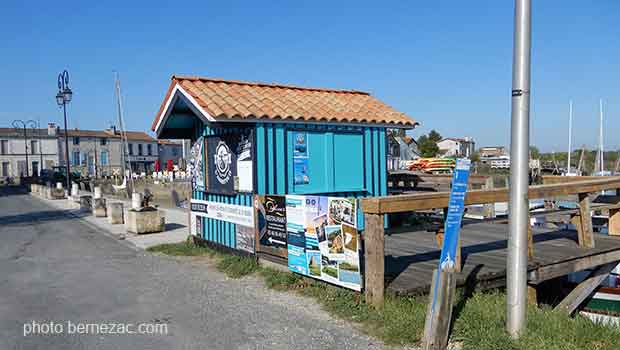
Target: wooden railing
375	208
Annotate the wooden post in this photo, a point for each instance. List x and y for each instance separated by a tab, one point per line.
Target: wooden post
585	234
532	295
374	255
614	222
585	288
439	315
530	243
489	208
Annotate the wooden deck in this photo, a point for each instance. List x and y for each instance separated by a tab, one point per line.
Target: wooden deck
411	256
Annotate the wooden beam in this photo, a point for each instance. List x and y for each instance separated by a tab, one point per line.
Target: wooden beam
374	251
544	273
586	234
439	311
558	179
585	288
421	201
614	222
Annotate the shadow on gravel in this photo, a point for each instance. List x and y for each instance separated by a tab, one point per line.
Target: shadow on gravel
39	216
6	191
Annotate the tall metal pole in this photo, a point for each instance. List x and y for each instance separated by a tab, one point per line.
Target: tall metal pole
40	145
570	133
64	109
519	147
600	138
26	150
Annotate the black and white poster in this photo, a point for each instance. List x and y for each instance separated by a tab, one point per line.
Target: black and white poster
196	165
229	161
272	221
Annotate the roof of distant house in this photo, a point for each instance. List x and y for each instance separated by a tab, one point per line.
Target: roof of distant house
168	142
226	100
108	133
457	139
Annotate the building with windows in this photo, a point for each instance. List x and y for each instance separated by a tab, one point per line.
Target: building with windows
457	147
170	150
100	152
19	157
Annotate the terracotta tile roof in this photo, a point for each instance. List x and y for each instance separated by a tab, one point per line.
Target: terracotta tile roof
232	99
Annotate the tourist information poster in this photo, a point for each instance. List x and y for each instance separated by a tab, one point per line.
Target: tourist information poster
323	241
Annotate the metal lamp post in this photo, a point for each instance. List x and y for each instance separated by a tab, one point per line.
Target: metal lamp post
62	98
24	125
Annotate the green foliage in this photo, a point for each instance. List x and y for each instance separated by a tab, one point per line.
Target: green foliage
427	144
237	266
534	152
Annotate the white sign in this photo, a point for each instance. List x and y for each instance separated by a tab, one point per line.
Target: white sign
236	214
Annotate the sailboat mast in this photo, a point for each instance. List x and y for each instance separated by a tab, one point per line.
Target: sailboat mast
570	133
600	136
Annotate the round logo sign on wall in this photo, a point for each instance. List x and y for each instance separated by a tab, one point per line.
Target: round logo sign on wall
223	160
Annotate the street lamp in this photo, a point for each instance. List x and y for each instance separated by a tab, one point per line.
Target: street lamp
62	98
20	125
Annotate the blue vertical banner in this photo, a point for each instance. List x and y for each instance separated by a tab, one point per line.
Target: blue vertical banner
453	220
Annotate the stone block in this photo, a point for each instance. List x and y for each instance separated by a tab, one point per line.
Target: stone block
57	193
147	220
86	202
115	213
99	207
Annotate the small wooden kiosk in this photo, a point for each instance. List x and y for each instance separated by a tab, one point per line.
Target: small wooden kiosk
271	139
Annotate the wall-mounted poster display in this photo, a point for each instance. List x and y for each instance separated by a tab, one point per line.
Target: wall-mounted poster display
271	223
323	241
233	213
244	163
229	159
197	165
301	175
244	236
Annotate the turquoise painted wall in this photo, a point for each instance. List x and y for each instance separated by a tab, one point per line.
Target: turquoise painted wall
347	161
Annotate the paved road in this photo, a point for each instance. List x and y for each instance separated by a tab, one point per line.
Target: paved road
54	267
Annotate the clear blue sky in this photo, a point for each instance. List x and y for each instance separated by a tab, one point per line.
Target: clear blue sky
445	63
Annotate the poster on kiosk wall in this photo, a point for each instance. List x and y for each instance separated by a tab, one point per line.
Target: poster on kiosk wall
323	240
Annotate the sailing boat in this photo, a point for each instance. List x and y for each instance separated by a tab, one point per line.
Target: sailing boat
124	143
600	155
569	171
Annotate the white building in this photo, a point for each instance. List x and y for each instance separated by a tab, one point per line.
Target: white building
501	162
100	152
91	152
26	157
457	147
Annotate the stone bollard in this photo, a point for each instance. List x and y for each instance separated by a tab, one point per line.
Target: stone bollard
99	207
75	190
147	220
59	185
86	202
136	200
97	192
115	213
33	188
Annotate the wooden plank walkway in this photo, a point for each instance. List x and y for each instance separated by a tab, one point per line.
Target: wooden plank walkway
410	257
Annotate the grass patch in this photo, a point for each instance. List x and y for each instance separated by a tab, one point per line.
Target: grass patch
187	248
479	324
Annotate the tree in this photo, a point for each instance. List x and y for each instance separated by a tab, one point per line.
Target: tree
475	157
427	144
534	152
